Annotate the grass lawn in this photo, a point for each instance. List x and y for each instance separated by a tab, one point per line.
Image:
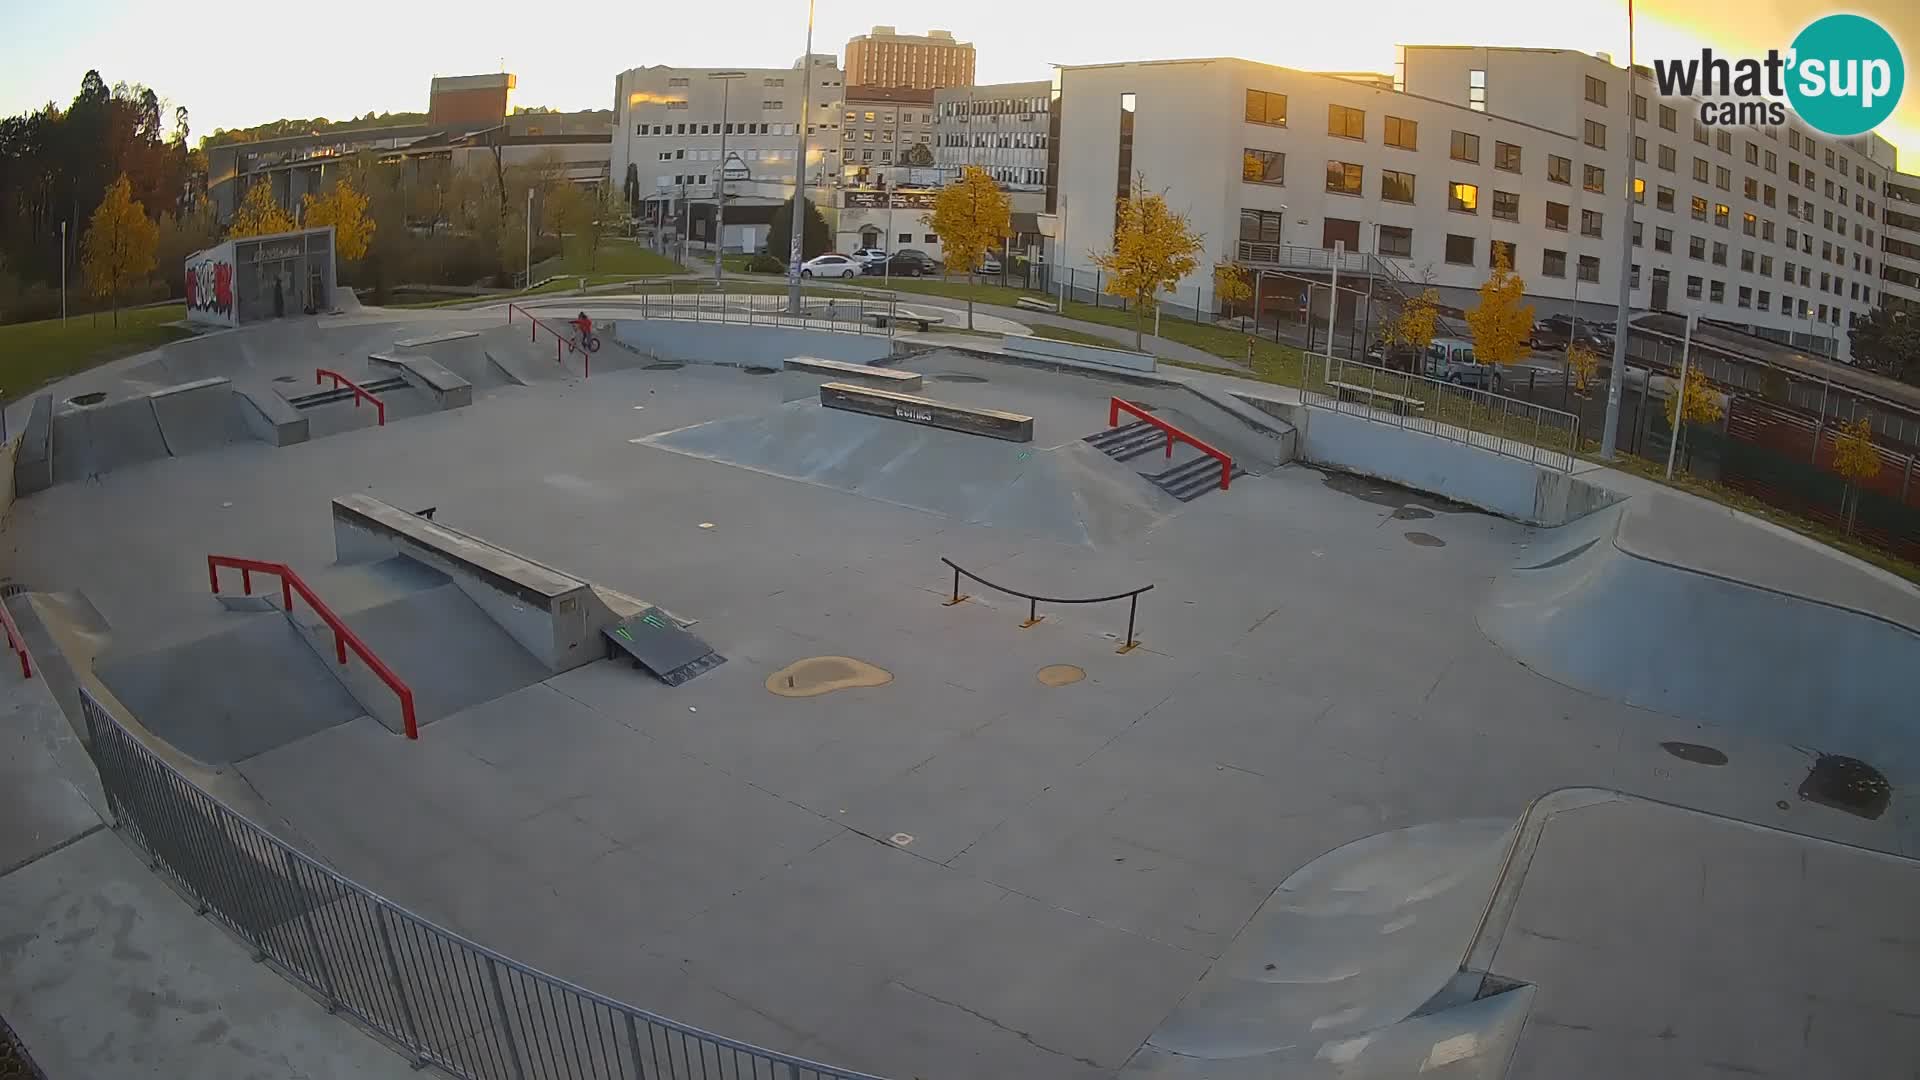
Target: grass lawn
37	353
1078	337
616	259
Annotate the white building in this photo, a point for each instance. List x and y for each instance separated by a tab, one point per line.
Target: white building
1001	127
880	125
1775	229
1900	243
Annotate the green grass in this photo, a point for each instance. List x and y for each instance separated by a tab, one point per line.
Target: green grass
616	259
1078	337
37	353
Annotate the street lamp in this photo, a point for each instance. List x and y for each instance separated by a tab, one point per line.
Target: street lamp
800	171
529	238
720	179
1623	321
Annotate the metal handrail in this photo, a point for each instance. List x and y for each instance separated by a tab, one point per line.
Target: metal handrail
343	636
446	1000
1350	380
339	380
533	335
1115	406
1132	597
16	640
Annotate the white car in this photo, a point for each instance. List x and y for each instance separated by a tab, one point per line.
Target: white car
830	266
989	263
868	255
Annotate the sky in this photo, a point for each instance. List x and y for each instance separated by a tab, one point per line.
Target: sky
347	57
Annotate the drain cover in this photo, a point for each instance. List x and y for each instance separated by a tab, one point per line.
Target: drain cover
94	397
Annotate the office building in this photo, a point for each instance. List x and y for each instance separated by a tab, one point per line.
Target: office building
880	124
458	100
887	58
1900	243
1001	128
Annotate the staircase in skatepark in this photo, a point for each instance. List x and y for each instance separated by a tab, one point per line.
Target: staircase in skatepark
1193	467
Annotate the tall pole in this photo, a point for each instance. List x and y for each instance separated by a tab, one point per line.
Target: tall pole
529	238
720	179
1333	302
1623	321
63	271
1680	409
800	172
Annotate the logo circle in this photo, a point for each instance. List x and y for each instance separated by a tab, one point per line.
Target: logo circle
1839	60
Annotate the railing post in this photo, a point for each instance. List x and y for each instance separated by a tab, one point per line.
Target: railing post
313	939
633	1048
213	575
407	717
1133	605
286	595
246	581
340	646
506	1019
393	967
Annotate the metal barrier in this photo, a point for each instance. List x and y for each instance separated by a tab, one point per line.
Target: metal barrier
533	332
841	314
1033	602
321	375
443	999
1116	406
1490	421
15	639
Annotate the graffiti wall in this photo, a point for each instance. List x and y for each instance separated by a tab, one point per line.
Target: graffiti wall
210	292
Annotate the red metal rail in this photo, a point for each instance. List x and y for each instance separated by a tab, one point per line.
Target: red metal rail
343	637
16	641
1115	407
533	335
320	375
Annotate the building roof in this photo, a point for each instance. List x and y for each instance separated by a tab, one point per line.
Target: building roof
1797	362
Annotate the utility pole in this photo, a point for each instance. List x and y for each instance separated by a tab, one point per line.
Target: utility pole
529	238
1680	393
800	171
686	226
720	179
63	271
1624	322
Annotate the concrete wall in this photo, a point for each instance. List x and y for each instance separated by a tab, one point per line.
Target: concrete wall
763	346
1125	359
33	464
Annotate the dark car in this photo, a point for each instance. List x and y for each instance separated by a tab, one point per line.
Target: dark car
1555	331
907	262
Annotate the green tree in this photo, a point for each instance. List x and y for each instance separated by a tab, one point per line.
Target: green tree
970	216
1153	249
1889	343
1855	459
193	229
119	245
1502	322
815	238
917	156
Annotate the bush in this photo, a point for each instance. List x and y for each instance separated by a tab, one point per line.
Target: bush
764	263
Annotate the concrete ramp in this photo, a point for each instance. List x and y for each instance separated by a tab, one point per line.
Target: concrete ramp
92	440
199	416
1072	493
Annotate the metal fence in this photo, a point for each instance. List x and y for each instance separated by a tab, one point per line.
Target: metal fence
843	314
1496	422
443	999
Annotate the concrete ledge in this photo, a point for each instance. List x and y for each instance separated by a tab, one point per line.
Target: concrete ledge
435	339
271	418
914	409
1098	356
905	382
449	391
33	466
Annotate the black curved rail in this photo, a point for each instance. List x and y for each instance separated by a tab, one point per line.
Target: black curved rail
1132	597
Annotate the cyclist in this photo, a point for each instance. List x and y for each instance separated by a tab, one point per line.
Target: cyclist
585	326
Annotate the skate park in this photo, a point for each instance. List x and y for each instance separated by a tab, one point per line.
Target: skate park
1508	771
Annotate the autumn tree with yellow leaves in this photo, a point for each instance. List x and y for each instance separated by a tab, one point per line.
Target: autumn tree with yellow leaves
1153	249
344	208
259	213
1694	403
1502	322
1582	364
1855	459
1411	327
119	244
970	215
1231	285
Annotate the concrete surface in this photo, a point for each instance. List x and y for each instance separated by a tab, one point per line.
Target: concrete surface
198	416
763	346
91	440
1124	359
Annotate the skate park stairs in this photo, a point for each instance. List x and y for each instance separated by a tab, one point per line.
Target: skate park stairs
448	391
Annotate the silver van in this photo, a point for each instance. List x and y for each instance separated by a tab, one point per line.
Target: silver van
1452	360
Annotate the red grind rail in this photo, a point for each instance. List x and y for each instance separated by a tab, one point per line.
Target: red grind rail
559	339
16	641
343	637
320	375
1115	407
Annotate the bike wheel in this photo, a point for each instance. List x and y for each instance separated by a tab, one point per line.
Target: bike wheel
593	344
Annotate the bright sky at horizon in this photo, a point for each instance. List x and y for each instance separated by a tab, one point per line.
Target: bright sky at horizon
352	56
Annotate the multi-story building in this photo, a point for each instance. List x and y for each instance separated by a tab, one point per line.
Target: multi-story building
888	58
1002	128
879	124
454	100
670	123
1900	243
1773	229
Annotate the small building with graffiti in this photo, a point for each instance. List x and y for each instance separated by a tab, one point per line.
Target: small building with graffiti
251	278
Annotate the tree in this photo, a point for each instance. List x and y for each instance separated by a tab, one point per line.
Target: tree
193	229
1153	248
346	210
1889	343
815	239
1502	322
259	213
917	156
1582	364
1855	459
1230	284
970	216
1694	403
119	244
1410	328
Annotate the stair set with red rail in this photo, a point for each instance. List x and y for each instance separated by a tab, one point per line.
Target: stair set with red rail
1186	481
562	341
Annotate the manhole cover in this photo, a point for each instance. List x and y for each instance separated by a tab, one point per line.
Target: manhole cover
94	397
664	365
1847	784
1060	675
757	370
824	674
1412	513
1421	539
1694	753
954	376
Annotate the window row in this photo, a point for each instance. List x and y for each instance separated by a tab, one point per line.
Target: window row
716	129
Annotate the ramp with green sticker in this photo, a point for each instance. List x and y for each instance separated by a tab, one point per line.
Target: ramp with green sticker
655	642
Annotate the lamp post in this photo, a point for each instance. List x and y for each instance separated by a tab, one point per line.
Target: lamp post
800	171
529	238
1680	408
1623	322
720	178
63	271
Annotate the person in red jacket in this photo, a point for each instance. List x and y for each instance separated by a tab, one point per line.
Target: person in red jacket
585	326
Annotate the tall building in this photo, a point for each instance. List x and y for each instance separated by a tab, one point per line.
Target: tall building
1779	230
1900	244
1000	127
469	99
885	57
880	124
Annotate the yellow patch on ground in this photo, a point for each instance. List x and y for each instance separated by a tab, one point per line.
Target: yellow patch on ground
1060	675
824	674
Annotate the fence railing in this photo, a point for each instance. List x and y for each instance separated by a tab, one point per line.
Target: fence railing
446	1001
321	375
1461	413
560	340
1034	600
1116	406
343	636
15	640
840	314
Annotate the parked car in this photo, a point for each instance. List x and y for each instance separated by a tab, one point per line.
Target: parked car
863	256
989	263
1555	331
907	262
829	265
1452	360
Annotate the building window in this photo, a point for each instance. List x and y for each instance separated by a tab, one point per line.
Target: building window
1663	199
1773	166
1263	166
1346	123
1639	107
1460	249
1639	191
1669	118
1559	169
1596	91
1396	186
1403	133
1506	206
1667	158
1266	108
1633	276
1261	226
1464	198
1596	134
1764	301
1123	172
1497	248
1766	266
1593	178
1746	261
1663	240
1694	286
1343	177
1748	224
1723	178
1465	147
1639	149
1720	214
1750	189
1768	195
1697	247
1553	263
1589	268
1590	222
1700	134
1718	292
1397	241
1557	216
1719	253
1477	90
1637	234
1723	141
1701	171
1699	211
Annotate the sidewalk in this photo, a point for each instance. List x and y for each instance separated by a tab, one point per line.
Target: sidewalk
105	972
